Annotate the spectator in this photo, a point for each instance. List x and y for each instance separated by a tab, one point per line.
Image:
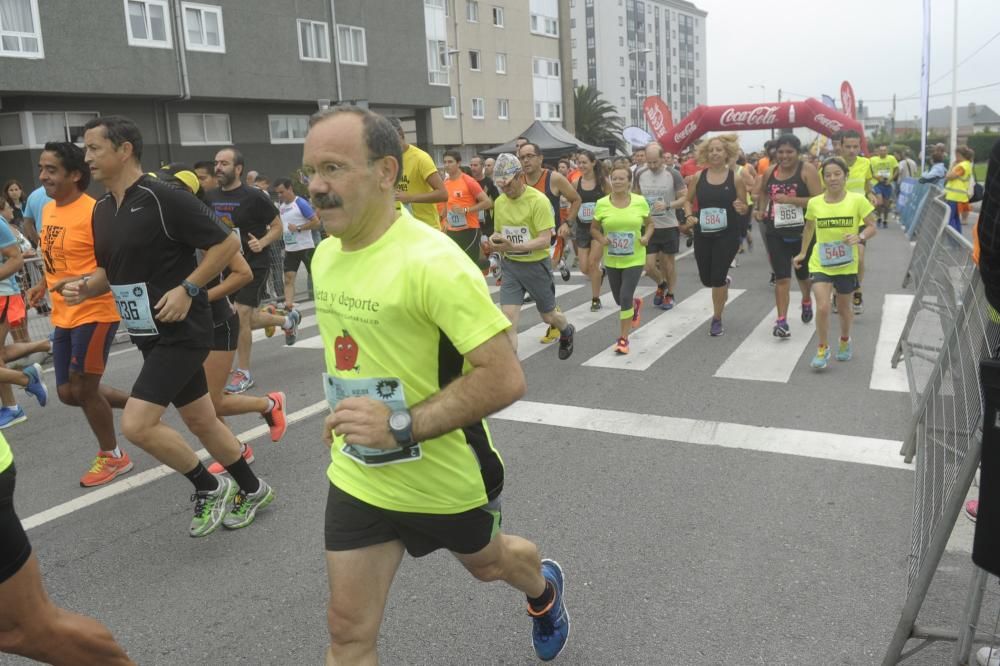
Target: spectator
937	170
956	187
15	195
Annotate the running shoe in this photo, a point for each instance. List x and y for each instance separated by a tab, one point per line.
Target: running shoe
528	298
563	270
292	332
781	329
668	302
621	347
271	310
821	360
11	416
105	469
246	505
211	507
729	281
859	305
495	265
247	452
275	417
972	509
550	336
550	626
36	386
716	329
566	342
595	304
239	382
636	312
658	296
845	350
988	656
770	283
807	312
735	262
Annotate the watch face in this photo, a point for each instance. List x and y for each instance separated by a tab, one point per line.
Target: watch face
399	420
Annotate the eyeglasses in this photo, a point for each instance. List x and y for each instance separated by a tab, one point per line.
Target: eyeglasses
524	157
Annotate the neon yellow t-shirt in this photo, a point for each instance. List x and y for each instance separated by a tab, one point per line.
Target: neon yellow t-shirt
417	168
396	319
957	189
6	457
832	255
623	227
859	174
883	167
523	219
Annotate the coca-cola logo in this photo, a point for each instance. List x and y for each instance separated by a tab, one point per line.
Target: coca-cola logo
829	123
758	116
686	132
654	115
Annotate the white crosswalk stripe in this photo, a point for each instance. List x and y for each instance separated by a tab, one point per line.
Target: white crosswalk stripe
884	376
765	358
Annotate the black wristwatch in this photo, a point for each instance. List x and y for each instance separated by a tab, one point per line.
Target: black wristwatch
191	288
401	427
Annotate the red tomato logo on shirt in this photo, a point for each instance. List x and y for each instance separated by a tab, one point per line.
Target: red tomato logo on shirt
345	350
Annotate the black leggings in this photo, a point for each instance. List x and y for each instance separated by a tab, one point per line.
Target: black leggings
623	282
714	253
14	546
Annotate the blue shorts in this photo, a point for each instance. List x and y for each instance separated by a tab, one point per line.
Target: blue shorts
82	349
883	190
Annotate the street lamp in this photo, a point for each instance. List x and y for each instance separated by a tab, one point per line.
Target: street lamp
458	71
636	53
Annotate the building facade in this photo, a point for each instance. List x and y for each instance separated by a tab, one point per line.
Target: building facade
504	71
631	49
197	76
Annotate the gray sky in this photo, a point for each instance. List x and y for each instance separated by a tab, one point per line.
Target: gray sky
818	45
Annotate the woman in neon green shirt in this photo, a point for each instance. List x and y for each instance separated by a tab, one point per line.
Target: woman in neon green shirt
956	187
623	228
835	218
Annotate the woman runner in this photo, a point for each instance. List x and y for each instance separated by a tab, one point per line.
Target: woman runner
592	186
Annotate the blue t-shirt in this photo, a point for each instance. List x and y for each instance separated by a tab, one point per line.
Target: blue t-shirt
34	205
8	286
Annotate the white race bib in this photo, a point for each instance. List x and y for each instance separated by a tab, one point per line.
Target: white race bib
457	221
883	173
713	219
835	253
586	212
134	308
516	236
621	243
788	215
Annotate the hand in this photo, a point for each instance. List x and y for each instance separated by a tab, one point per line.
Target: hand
293	227
402	197
798	259
500	243
782	198
852	239
758	215
564	230
644	240
254	244
36	294
873	200
173	306
659	206
740	207
73	290
604	241
457	210
361	421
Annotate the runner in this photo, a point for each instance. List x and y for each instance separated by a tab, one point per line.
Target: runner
298	220
592	186
858	181
145	235
780	206
956	187
82	335
30	624
721	199
466	201
420	186
478	168
836	219
885	172
12	315
416	358
525	221
665	191
622	226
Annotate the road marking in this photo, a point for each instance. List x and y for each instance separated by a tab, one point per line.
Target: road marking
144	478
763	357
894	314
805	443
648	343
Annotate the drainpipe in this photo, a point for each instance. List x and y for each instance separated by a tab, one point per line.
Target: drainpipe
336	49
182	73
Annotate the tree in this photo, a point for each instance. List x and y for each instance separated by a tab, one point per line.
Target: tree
597	121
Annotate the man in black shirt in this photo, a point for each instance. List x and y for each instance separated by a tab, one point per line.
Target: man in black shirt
252	213
145	236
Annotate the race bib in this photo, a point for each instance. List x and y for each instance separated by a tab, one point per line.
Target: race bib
883	173
586	212
289	238
621	243
652	201
835	253
387	389
713	219
134	308
788	215
516	235
457	220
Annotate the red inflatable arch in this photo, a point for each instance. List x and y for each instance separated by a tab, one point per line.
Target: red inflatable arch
809	113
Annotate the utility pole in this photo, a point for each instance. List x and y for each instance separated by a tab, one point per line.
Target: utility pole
892	120
779	102
954	83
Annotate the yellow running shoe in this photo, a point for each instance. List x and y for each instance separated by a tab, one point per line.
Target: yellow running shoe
552	334
269	309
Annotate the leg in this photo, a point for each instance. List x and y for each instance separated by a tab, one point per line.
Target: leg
290	289
822	291
359	587
141	425
846	314
555	319
245	313
782	295
668	268
8	376
217	367
625	307
199	416
719	297
16	350
6	392
513	314
652	270
861	265
508	558
85	391
626	293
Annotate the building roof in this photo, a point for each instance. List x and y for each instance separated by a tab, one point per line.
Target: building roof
553	140
969	115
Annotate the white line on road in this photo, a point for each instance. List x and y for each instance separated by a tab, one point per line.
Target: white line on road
766	358
884	376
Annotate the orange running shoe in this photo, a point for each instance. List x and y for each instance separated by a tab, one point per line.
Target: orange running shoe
621	347
105	469
276	417
217	468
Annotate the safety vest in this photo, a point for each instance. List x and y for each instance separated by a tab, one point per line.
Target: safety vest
957	189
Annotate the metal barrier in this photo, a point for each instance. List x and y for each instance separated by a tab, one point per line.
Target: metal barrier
922	227
909	202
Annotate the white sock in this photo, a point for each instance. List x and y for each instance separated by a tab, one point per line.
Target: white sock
288	322
270	406
117	452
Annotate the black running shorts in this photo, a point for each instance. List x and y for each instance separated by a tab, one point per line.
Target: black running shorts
171	374
14	546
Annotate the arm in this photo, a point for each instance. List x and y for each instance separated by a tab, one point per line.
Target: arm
566	189
647	231
597	233
174	304
740	205
956	172
273	234
13	261
689	217
870	230
78	289
437	194
759	197
239	275
483	202
807	236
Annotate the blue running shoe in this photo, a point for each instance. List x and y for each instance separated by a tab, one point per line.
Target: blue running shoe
11	416
36	386
551	627
292	333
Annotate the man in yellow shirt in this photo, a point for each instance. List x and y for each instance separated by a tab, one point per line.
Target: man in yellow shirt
420	185
885	171
859	181
956	187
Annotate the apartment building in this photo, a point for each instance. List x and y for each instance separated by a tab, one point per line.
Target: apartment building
630	49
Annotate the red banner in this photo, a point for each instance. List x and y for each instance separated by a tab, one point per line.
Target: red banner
847	100
658	116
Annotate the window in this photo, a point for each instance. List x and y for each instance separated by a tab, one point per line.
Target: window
288	129
478	108
621	60
351	45
20	31
501	63
474	61
451	110
11	136
548	111
621	41
203	28
435	3
45	126
437	62
544	25
621	21
314	40
472	11
622	82
498	17
545	67
590	42
503	109
147	23
200	129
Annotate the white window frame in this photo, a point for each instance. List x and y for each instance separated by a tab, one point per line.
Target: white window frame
472	11
28	137
503	109
214	9
225	142
352	30
35	21
285	116
451	111
438	75
149	42
299	23
23	145
540	24
478	57
548	66
501	63
497	17
482	108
